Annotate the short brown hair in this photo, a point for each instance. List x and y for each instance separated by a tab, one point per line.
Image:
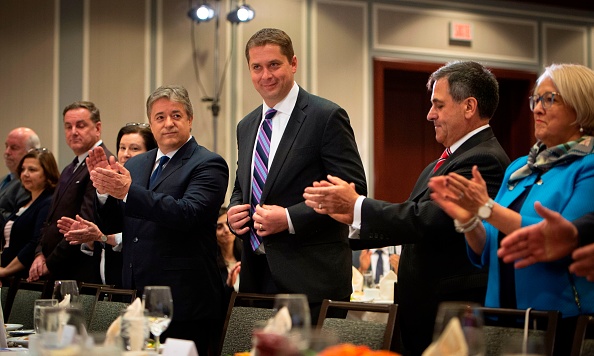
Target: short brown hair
271	36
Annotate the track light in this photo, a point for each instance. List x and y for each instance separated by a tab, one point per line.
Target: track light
202	13
243	13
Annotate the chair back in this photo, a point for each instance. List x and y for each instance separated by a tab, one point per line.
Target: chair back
375	334
21	301
109	303
583	342
87	298
243	313
502	324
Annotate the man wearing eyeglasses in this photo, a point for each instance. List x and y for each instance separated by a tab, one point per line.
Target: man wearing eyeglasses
74	195
166	203
433	265
18	142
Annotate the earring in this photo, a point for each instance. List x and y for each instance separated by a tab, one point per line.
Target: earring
581	129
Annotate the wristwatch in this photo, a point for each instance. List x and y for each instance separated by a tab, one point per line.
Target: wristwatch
485	211
103	238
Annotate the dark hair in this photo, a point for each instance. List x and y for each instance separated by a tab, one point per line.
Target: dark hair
470	79
46	161
144	132
271	36
175	93
237	246
95	116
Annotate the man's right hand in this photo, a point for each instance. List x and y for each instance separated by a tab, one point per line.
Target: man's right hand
238	216
38	268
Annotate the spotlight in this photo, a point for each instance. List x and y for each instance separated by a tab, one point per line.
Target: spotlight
243	13
203	13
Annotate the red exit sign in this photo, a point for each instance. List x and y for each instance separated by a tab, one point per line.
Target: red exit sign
460	31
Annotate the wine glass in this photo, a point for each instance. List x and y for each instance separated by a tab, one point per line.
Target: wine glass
300	319
38	312
62	288
159	306
469	319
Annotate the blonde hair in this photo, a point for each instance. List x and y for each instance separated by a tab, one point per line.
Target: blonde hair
575	83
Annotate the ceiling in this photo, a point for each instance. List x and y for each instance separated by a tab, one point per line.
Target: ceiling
586	5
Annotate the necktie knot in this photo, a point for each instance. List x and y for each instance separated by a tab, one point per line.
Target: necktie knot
269	114
162	161
446	153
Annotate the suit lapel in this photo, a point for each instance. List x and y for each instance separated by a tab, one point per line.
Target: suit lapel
177	161
291	131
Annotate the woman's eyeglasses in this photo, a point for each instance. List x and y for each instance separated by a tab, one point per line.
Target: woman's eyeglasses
143	125
546	100
41	150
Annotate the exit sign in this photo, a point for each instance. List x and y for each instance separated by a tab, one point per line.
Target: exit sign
460	31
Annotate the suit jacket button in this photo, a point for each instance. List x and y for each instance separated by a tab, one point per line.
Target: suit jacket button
130	264
135	239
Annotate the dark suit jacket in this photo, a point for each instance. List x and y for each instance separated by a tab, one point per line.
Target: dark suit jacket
169	232
317	141
12	197
25	231
74	195
434	265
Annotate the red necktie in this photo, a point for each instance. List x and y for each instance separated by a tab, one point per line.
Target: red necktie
446	153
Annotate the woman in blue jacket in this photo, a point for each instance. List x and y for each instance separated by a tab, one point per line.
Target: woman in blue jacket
558	172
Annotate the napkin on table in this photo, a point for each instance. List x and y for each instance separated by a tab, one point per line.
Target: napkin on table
386	285
451	342
357	280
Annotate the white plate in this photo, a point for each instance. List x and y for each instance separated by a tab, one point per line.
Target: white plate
21	332
12	327
21	340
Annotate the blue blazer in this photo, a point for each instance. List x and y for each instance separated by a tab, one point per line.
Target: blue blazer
566	188
169	232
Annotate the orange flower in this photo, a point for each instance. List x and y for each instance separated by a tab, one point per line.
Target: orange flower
354	350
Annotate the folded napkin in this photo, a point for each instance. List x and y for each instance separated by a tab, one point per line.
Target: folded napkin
357	280
279	324
386	285
137	336
451	342
65	303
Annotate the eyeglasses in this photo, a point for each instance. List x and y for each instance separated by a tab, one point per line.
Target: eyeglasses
546	100
143	125
41	149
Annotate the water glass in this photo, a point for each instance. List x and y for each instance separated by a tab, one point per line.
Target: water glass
62	288
300	317
134	331
471	321
40	304
62	328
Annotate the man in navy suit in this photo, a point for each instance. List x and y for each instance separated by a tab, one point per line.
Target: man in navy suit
73	196
166	203
434	266
288	248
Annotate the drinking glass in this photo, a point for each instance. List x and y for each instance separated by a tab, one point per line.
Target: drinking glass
159	306
299	313
62	328
471	321
63	288
38	311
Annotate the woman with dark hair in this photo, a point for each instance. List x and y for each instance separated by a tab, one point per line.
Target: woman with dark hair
228	255
133	139
39	175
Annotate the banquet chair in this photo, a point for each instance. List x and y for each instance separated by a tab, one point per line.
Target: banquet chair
244	312
21	301
107	310
375	334
501	325
583	342
87	298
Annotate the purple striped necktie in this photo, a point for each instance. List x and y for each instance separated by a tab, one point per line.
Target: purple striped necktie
261	156
446	153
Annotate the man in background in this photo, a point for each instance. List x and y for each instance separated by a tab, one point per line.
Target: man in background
74	195
434	266
18	142
293	139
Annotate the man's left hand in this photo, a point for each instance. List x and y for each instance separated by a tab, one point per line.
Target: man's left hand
115	183
270	219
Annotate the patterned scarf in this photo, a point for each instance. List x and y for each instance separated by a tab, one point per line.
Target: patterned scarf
542	158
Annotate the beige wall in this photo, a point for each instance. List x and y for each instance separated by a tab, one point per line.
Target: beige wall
130	47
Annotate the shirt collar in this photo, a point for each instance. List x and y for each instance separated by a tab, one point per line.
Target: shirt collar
459	143
286	105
